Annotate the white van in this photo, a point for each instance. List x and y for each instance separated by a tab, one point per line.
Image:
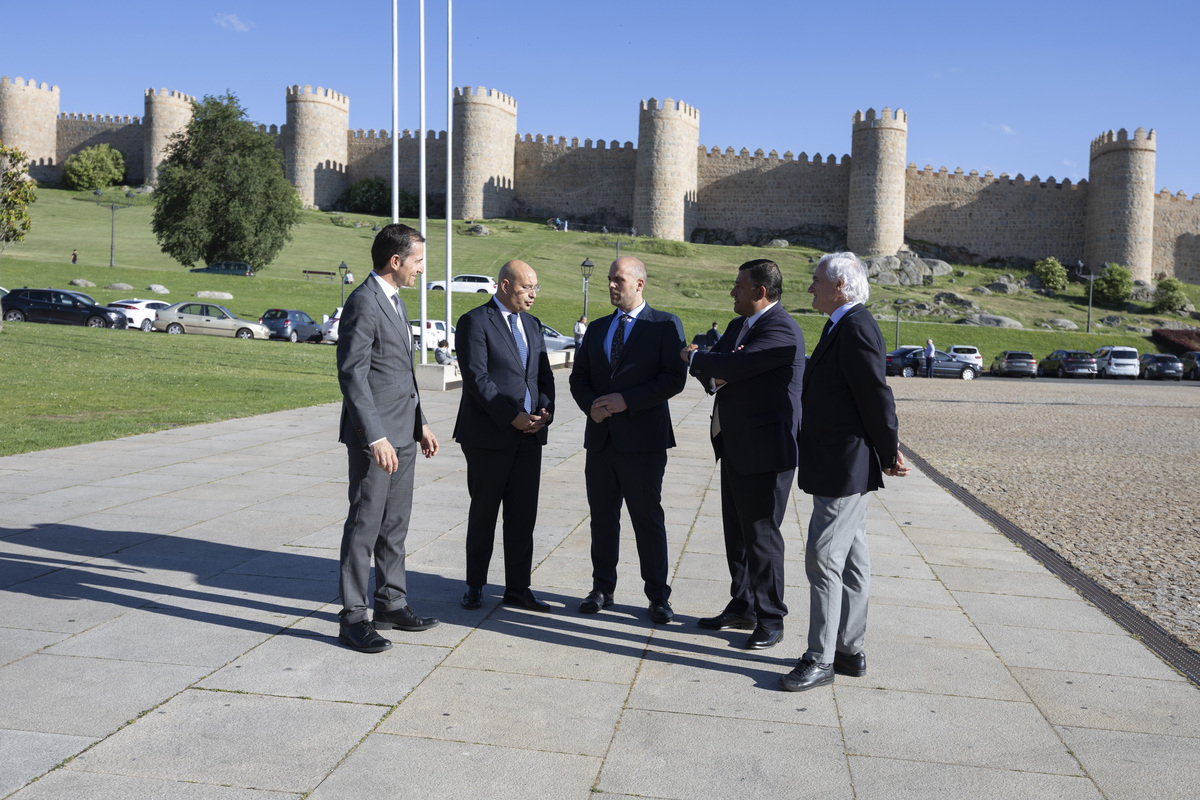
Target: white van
1116	361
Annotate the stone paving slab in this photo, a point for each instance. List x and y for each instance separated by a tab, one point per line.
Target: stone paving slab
175	633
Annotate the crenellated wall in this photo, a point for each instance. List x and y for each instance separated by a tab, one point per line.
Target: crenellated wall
1120	213
369	155
1177	236
554	178
485	127
875	222
315	144
664	192
28	121
167	113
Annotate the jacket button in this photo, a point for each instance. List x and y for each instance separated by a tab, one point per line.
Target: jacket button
412	396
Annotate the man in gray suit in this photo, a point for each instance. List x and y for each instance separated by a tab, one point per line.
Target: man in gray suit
382	426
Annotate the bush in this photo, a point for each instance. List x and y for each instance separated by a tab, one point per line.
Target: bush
1051	273
1169	296
374	196
1114	286
94	168
663	247
1177	340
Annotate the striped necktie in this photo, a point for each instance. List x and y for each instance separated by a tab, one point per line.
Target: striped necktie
618	342
523	349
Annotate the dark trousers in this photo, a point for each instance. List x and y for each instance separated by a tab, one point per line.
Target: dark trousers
376	525
510	476
635	479
752	509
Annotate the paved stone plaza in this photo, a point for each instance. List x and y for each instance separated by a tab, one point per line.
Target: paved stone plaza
168	630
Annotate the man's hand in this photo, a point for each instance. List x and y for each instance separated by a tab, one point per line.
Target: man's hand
429	442
605	406
900	470
524	422
540	420
686	353
385	456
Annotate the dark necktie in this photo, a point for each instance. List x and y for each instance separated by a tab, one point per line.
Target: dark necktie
403	318
618	342
523	349
828	325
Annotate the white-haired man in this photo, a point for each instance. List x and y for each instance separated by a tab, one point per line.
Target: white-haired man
848	440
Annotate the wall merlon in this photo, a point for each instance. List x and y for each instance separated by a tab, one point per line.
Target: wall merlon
30	84
305	94
1109	141
480	94
165	94
884	119
670	106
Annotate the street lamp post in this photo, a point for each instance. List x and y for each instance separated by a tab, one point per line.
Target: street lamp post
586	268
112	242
1091	279
899	303
616	241
345	278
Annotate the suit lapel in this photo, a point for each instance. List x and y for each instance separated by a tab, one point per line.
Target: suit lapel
632	334
827	341
503	330
399	322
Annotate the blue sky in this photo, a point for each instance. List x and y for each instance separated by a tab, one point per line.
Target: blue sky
1017	87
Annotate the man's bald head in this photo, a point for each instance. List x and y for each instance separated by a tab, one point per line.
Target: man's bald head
517	286
626	281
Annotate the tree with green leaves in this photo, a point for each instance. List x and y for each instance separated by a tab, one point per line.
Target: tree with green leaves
1169	296
1114	286
222	194
16	195
1051	273
374	196
94	168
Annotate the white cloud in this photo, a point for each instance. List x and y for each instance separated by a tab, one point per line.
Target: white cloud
1006	130
231	22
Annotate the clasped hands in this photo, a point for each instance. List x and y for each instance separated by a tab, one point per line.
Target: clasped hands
531	423
605	406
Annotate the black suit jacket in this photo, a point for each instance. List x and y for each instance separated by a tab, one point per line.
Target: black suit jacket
760	401
495	380
849	429
648	373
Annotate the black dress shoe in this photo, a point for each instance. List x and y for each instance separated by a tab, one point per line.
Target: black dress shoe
725	620
363	637
853	666
404	619
807	675
473	598
661	613
762	638
525	599
595	601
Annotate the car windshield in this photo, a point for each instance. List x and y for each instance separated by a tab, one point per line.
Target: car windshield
1019	356
85	298
1078	354
1129	355
1166	359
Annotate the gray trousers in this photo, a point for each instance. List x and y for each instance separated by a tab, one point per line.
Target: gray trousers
376	525
839	576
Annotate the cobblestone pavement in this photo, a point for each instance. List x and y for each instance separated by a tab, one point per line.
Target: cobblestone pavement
1102	471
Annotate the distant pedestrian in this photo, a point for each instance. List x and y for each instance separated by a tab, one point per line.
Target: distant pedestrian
929	351
580	330
74	256
566	224
712	337
557	224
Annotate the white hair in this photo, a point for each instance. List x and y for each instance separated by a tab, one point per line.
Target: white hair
847	268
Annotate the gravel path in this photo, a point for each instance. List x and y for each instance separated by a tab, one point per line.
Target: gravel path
1102	471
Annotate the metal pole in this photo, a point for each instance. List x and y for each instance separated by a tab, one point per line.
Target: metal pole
112	241
585	298
1091	283
897	347
449	151
421	169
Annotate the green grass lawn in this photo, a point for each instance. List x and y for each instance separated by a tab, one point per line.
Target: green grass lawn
68	385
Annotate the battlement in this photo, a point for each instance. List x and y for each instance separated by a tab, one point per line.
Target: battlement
1180	196
305	94
114	118
274	130
884	119
479	94
673	108
164	94
830	160
575	143
989	177
1109	141
384	133
30	85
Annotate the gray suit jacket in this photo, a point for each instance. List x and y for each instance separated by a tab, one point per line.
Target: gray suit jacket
375	371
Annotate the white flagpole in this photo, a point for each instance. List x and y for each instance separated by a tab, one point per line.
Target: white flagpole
449	149
421	167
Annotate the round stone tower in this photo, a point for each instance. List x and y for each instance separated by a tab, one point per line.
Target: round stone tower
1120	202
167	113
316	144
875	223
29	122
485	134
665	183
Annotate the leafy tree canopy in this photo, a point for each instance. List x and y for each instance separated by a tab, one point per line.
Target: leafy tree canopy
221	194
94	168
1051	273
1115	285
374	196
16	194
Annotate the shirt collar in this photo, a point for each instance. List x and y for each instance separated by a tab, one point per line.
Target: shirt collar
634	313
753	318
841	312
388	289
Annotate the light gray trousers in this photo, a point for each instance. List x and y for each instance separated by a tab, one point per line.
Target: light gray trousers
839	576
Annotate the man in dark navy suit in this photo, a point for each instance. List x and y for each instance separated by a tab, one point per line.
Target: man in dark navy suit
754	375
507	402
849	440
626	370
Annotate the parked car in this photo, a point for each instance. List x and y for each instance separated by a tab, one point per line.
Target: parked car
1116	362
1162	367
228	268
701	342
435	331
290	324
1068	363
3	291
1015	362
207	318
906	360
329	325
1191	365
946	366
58	306
555	340
965	352
139	313
479	284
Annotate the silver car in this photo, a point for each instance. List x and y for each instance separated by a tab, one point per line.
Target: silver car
209	318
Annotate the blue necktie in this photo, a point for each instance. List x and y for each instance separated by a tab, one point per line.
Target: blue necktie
523	349
618	342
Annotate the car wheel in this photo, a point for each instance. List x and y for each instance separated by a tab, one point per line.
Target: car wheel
147	325
1100	374
968	374
174	327
1041	373
293	337
14	316
908	372
96	322
245	333
437	288
1062	373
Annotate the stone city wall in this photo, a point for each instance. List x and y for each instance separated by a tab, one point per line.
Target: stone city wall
587	182
369	155
79	131
1177	236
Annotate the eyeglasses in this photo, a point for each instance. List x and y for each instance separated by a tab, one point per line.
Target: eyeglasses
534	288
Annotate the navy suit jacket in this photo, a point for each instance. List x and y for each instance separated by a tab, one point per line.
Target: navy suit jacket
648	373
760	401
495	380
849	429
